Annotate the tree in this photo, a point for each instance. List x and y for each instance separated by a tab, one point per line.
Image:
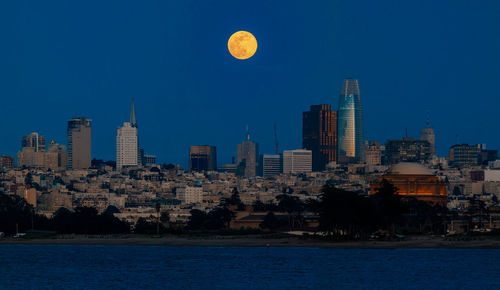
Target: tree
271	222
292	205
197	219
388	203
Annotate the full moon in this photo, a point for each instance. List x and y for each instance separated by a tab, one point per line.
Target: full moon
242	45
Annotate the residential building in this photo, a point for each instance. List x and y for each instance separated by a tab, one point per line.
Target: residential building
373	153
126	146
79	143
6	162
35	141
189	194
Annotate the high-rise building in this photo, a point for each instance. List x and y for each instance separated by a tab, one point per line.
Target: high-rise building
126	146
35	141
79	143
427	134
297	161
272	165
464	155
319	134
62	154
407	150
247	157
350	122
133	123
202	158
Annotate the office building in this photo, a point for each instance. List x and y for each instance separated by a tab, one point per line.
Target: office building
148	160
79	143
407	150
126	146
202	158
464	155
247	157
350	122
297	161
427	134
272	165
319	134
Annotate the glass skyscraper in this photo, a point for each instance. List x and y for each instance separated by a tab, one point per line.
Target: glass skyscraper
350	121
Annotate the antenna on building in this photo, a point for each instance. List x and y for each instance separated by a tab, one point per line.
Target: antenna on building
248	134
276	139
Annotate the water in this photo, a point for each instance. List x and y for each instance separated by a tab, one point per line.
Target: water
153	267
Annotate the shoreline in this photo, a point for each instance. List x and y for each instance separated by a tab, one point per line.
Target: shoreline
232	241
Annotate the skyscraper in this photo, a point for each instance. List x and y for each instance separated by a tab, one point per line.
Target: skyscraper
247	157
427	134
407	150
126	146
79	143
272	165
319	134
350	122
202	158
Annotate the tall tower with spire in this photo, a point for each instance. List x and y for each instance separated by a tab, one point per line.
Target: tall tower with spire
427	134
248	152
133	121
350	121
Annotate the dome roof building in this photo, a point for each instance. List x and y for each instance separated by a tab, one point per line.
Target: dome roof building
416	181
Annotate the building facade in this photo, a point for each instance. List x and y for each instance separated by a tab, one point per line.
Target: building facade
202	158
350	122
189	194
373	153
247	154
464	155
427	134
79	143
272	165
35	141
407	150
297	161
319	134
6	162
416	181
126	146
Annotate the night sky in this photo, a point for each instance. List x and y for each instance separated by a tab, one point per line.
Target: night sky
60	59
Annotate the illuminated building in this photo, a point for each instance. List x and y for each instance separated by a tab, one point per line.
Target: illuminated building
414	180
350	122
319	134
247	157
126	146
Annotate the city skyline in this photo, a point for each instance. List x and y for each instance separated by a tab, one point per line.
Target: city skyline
193	94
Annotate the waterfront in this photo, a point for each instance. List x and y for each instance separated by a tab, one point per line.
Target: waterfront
79	266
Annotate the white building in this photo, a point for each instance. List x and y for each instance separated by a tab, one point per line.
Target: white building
189	194
297	161
126	146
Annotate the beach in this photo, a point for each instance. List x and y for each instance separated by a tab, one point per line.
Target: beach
259	241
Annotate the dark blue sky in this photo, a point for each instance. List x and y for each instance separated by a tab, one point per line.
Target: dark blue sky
60	59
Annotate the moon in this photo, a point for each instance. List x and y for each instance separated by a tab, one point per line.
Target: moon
242	45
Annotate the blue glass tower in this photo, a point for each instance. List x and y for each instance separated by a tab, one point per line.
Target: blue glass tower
350	121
